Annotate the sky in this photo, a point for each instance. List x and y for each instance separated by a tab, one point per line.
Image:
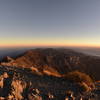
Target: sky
50	23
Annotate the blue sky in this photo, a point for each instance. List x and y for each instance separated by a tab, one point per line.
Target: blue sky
50	22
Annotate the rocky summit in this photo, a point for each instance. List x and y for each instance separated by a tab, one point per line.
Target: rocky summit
50	74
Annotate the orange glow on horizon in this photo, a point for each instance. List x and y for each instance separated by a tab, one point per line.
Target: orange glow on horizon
49	45
48	42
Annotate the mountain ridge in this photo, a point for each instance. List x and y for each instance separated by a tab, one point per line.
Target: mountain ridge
57	62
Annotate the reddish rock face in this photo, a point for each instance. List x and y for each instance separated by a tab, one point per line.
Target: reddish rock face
59	61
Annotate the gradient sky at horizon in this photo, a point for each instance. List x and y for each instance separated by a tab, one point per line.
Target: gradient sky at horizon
50	23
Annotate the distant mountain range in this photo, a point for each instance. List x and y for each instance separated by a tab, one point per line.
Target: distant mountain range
57	62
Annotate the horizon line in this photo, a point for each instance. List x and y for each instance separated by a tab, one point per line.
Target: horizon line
51	46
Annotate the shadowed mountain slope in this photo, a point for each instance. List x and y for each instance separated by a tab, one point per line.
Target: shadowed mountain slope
58	62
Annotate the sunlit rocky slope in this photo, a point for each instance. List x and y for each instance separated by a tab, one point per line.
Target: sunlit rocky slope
56	61
50	74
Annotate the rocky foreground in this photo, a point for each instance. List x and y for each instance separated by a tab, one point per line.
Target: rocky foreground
23	84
